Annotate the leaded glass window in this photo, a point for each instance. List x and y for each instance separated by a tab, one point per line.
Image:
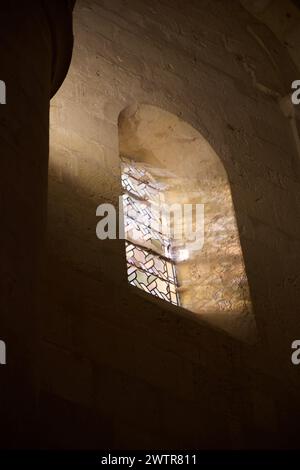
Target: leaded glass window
148	250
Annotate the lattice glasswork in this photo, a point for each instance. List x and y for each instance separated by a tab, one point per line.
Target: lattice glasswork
148	261
151	273
142	224
147	248
142	212
138	172
139	189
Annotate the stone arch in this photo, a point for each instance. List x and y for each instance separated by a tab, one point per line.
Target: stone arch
213	284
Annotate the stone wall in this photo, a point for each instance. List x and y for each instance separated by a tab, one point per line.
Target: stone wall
118	370
283	18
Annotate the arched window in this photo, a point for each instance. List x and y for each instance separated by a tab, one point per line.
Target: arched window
166	161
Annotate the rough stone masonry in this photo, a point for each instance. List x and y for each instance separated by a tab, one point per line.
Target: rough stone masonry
137	374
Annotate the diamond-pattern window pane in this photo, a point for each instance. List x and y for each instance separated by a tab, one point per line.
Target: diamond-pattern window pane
139	189
143	268
138	172
142	224
150	262
148	238
145	243
142	212
152	284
